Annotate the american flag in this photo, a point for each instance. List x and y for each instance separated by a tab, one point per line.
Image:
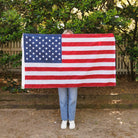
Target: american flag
68	60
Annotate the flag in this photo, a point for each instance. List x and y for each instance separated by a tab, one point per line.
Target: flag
68	60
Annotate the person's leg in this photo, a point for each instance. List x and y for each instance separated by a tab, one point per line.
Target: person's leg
72	103
63	102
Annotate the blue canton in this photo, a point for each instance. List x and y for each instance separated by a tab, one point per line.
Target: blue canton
42	48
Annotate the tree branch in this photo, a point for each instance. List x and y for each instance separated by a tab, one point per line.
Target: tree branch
103	4
122	30
135	31
123	59
129	2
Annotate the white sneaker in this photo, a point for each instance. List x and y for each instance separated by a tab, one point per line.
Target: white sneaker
71	124
63	124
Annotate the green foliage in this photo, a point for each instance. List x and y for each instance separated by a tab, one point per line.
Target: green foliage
10	26
13	87
81	16
128	34
6	60
14	61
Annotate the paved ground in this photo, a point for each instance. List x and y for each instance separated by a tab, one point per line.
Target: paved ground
90	123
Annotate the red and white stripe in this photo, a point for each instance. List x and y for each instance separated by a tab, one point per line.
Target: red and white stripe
88	60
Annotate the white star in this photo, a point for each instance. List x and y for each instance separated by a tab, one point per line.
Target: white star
33	42
26	42
36	55
43	40
58	53
39	53
39	42
30	45
29	50
26	58
26	53
49	40
33	37
36	40
46	58
52	43
39	37
29	39
56	40
45	37
52	37
33	58
52	58
26	36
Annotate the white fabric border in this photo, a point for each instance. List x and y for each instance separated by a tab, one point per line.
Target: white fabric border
69	73
98	56
70	81
59	65
23	65
87	48
103	39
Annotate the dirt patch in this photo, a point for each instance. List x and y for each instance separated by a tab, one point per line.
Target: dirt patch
38	122
90	123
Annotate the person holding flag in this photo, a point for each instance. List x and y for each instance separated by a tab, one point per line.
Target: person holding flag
66	62
68	102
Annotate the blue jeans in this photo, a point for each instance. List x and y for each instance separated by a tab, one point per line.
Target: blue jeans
68	102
